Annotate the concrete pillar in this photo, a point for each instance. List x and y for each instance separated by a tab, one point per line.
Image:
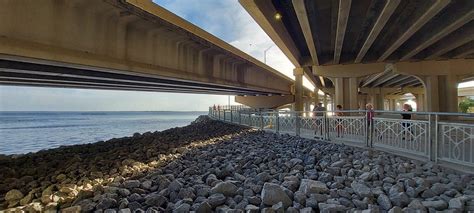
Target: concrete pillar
346	90
392	104
420	102
325	101
298	73
315	97
339	91
441	93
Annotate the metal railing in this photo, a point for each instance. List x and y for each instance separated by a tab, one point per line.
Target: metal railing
446	138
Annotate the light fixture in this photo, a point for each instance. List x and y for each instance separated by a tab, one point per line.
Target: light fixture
278	16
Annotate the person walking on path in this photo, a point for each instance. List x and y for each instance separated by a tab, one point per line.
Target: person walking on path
319	114
339	126
406	126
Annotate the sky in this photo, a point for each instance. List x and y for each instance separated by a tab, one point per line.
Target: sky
225	19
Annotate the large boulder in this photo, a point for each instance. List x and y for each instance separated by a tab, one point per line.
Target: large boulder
226	188
308	186
361	189
273	193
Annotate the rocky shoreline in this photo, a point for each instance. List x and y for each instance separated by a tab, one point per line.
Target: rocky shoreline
210	166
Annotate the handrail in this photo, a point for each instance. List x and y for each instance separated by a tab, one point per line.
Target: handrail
427	138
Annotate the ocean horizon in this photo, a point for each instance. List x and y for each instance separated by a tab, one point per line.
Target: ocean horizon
23	132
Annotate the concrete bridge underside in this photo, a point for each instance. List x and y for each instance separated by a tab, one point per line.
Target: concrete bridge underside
370	48
123	45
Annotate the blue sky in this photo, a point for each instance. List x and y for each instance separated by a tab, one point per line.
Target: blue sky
225	19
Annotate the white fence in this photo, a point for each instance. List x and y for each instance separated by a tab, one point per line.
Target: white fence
449	140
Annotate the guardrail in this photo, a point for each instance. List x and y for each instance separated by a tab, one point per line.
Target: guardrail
445	138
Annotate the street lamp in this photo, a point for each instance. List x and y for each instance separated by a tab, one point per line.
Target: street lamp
265	54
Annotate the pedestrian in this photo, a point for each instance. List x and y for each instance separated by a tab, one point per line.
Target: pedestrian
406	126
339	121
319	114
370	118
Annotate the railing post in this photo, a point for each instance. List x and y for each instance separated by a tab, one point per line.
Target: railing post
240	117
366	128
277	122
436	142
325	124
297	124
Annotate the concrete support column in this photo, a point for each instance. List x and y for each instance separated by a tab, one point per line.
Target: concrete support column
441	93
377	101
316	96
298	73
325	101
346	93
420	102
392	104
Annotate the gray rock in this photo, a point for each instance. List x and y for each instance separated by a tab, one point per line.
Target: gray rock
416	204
395	209
251	209
439	188
361	189
155	200
306	210
299	197
183	208
400	199
216	200
429	193
384	202
359	204
279	208
106	203
366	176
273	193
175	186
311	202
126	210
204	207
254	200
437	204
308	186
225	188
130	184
329	207
456	203
338	163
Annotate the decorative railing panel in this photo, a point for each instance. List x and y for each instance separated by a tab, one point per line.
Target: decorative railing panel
347	128
287	124
408	136
456	143
312	127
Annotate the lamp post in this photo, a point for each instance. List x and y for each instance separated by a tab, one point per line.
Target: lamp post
265	54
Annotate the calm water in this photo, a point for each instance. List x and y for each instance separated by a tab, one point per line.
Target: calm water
23	132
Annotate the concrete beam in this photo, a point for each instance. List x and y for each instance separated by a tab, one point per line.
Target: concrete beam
425	18
446	67
350	70
131	41
302	15
386	13
263	12
451	43
342	17
372	79
384	79
441	34
270	102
